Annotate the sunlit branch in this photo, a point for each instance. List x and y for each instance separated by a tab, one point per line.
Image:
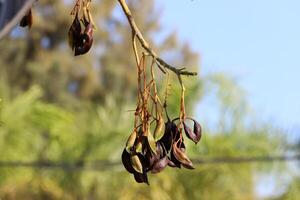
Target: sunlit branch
137	33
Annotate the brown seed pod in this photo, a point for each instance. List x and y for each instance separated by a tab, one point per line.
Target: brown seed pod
153	158
74	33
27	20
197	130
160	165
170	131
173	161
127	162
192	135
141	177
182	157
131	141
86	41
151	141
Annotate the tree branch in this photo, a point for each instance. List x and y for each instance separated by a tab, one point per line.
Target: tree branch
9	26
137	33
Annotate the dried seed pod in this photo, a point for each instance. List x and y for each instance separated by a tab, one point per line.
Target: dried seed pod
173	161
141	143
197	130
74	33
195	134
182	157
167	139
160	165
27	19
139	147
86	41
126	160
158	132
151	141
190	134
141	177
136	163
131	140
153	158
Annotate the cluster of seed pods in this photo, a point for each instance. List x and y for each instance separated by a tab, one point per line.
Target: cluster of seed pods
156	143
144	153
81	31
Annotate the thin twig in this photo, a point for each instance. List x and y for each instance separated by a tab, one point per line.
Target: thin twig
161	63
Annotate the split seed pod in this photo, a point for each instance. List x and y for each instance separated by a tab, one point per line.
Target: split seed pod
141	178
158	132
131	140
182	157
197	130
126	160
136	164
74	33
195	134
151	141
86	41
160	165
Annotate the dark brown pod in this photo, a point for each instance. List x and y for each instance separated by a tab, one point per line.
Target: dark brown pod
170	131
27	19
141	178
179	154
74	33
197	130
86	41
173	161
153	158
160	165
190	133
126	160
195	134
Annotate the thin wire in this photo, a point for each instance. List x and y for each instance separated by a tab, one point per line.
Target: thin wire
102	165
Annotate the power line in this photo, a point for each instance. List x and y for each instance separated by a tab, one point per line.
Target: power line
100	165
250	159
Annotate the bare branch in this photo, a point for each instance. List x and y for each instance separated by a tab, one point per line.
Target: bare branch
8	27
161	63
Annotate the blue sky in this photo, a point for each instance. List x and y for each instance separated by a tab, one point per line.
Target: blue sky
256	41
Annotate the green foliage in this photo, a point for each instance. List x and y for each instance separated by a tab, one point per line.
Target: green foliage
292	191
35	130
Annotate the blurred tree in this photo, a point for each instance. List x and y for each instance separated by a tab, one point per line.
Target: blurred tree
36	130
42	56
292	192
